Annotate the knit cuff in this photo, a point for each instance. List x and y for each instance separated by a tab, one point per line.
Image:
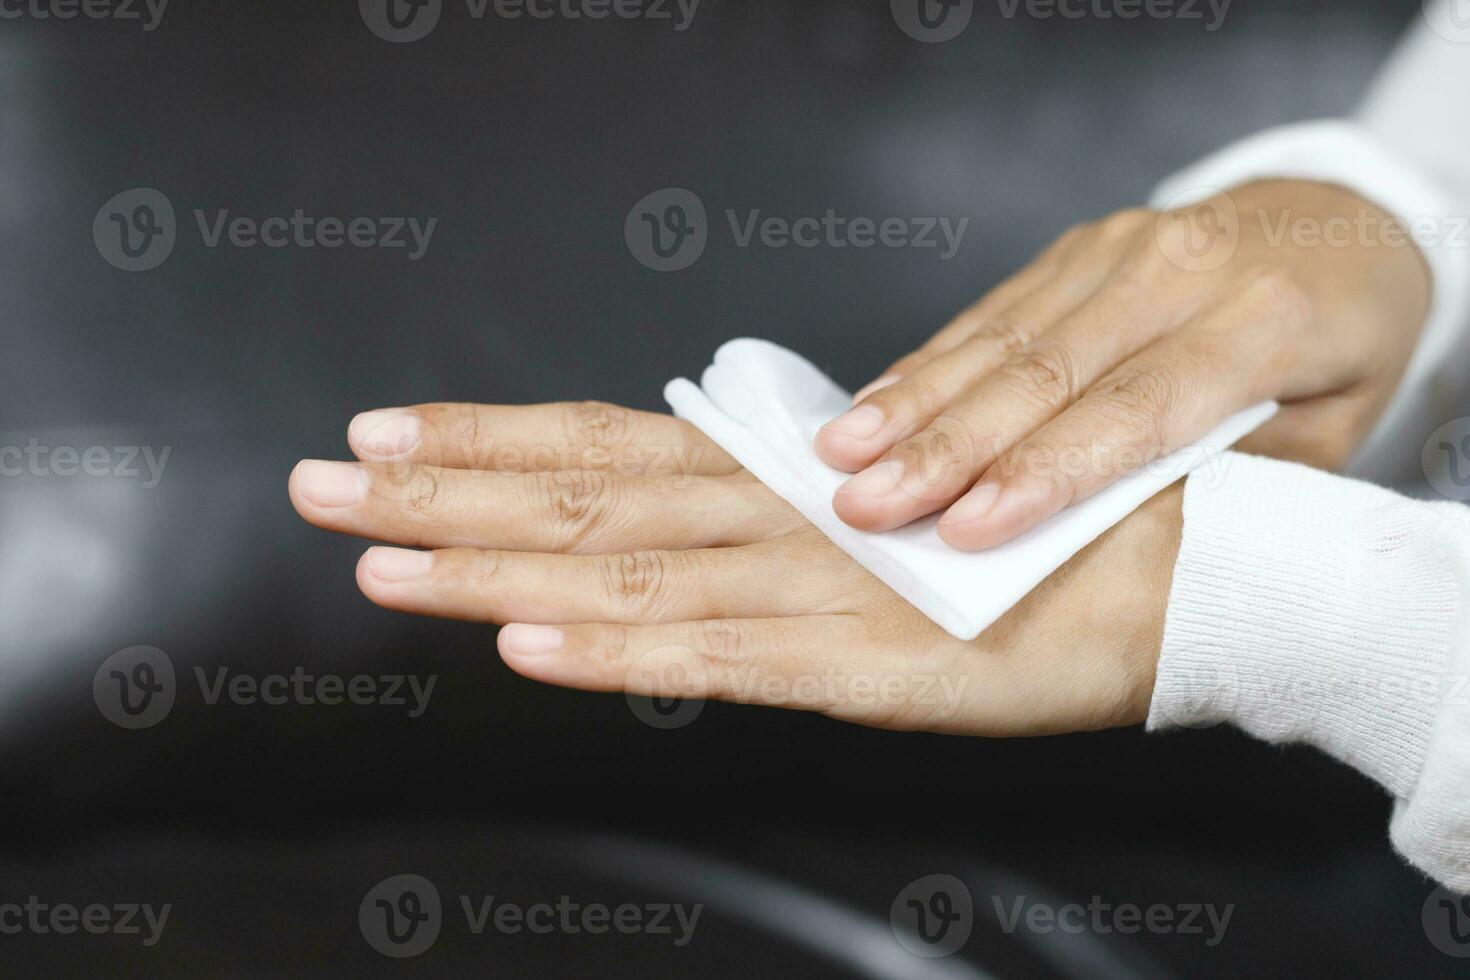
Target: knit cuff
1311	608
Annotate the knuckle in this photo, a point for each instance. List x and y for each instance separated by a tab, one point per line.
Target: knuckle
596	425
1002	336
1070	237
637	583
1276	293
1127	221
1044	374
1140	400
946	447
1146	268
470	569
722	644
470	436
611	647
576	502
911	396
424	496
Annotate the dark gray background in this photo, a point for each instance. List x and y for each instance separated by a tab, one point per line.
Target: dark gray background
530	142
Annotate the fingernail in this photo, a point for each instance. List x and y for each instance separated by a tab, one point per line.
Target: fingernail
860	423
330	484
399	564
973	505
530	640
875	481
384	433
873	386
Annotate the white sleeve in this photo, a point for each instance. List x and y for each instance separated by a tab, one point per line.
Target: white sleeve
1318	609
1408	150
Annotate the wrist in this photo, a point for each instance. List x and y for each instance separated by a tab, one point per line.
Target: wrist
1157	529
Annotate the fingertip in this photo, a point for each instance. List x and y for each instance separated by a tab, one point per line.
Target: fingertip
842	451
993	514
861	513
366	582
853	439
524	640
384	433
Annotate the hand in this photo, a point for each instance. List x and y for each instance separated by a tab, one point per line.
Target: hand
628	552
1132	337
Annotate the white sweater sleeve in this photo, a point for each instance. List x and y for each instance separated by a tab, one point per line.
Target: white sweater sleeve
1408	150
1313	608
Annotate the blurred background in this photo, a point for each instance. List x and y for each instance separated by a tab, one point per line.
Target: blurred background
529	141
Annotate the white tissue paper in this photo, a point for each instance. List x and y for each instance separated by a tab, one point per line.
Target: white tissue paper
763	404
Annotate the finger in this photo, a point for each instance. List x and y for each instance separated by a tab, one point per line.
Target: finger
649	586
858	437
799	662
1168	396
522	438
1046	266
938	462
959	330
580	511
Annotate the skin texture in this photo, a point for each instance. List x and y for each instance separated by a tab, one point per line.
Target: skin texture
1130	337
627	552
